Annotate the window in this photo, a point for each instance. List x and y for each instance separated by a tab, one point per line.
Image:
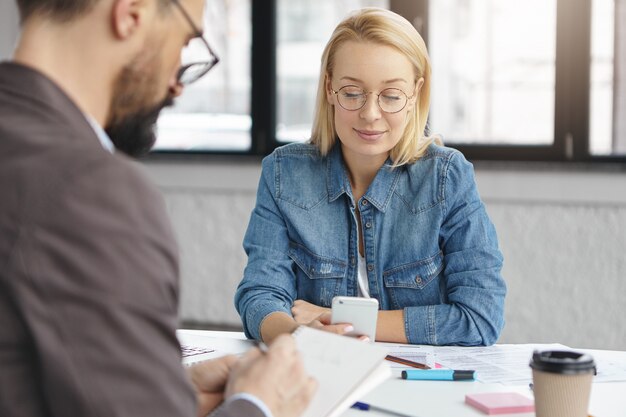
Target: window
512	80
607	131
213	114
493	71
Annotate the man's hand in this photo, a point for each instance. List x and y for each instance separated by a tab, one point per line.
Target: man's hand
209	380
277	378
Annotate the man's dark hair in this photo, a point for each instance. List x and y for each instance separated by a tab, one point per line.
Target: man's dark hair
61	10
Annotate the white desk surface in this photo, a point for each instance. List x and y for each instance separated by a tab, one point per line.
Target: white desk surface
442	398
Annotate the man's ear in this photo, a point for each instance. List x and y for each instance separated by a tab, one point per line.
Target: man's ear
126	17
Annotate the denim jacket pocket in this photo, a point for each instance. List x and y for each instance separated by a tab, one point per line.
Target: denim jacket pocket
411	284
315	266
318	278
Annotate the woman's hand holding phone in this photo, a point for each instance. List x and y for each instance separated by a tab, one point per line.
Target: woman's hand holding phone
351	316
361	312
311	315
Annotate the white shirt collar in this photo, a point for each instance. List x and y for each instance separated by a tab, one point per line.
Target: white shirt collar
105	140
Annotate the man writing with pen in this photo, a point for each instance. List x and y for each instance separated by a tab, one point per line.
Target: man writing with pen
88	261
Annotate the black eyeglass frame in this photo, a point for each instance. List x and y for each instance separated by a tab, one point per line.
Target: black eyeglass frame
366	93
197	34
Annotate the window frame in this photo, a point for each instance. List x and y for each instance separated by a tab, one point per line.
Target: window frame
572	89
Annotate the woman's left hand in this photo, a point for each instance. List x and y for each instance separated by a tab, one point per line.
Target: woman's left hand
304	312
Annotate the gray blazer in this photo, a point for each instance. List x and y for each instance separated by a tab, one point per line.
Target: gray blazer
88	269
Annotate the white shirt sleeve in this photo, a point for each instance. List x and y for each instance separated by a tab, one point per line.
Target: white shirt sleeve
242	405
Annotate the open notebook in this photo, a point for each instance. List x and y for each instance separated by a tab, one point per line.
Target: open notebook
345	369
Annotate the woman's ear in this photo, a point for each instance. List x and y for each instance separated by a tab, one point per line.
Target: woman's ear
420	83
329	89
418	88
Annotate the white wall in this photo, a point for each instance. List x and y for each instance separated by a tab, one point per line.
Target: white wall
562	234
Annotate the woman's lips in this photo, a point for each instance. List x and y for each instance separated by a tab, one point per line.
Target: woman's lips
370	135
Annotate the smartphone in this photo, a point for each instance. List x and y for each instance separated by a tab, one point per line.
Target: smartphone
361	313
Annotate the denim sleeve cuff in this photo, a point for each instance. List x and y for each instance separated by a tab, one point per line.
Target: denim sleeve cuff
257	315
419	325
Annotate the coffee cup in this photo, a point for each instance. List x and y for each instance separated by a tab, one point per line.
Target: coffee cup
562	383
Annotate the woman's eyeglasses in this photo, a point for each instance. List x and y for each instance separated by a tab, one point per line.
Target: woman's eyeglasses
390	100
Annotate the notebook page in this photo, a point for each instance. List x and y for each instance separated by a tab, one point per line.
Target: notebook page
345	369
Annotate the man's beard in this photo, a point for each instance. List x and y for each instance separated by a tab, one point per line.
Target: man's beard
132	120
134	134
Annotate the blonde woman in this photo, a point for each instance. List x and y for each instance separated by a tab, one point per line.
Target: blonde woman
372	207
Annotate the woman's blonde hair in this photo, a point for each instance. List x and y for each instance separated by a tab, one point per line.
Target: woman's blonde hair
382	27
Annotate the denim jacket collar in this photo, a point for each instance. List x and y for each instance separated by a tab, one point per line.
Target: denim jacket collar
380	190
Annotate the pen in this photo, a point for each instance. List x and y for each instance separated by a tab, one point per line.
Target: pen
438	375
366	407
406	362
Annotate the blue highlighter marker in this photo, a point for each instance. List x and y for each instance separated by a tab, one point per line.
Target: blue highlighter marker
438	375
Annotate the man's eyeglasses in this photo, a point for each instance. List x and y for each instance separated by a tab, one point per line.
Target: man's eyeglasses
197	57
390	100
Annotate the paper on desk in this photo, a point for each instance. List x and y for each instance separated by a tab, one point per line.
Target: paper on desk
505	364
416	353
509	364
609	369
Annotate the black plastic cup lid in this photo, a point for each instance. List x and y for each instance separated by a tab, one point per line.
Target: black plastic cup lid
563	362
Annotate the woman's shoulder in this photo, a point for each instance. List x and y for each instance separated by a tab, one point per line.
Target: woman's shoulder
297	173
425	181
437	156
297	149
438	163
437	151
294	155
295	159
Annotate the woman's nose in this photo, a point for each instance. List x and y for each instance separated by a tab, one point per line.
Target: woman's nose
371	109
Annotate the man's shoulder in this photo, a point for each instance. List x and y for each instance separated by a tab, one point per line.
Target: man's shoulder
41	181
48	145
111	180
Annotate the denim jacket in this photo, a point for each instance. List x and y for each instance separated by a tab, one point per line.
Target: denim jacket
429	246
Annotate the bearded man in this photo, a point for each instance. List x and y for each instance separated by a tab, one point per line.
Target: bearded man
88	261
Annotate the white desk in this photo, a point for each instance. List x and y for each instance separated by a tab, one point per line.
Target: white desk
439	398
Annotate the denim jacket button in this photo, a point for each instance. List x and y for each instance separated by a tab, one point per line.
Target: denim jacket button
370	267
418	280
364	203
368	225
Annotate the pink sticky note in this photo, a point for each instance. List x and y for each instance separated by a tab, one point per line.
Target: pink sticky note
500	402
